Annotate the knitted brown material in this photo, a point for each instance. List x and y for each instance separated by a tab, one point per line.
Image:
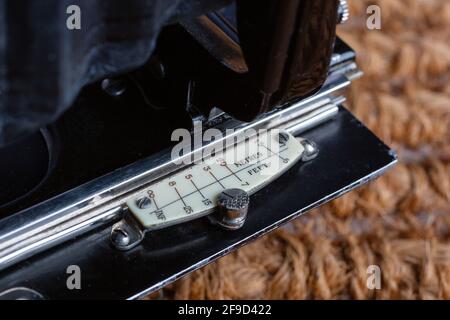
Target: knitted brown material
401	222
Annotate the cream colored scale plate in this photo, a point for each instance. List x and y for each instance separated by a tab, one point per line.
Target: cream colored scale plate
193	192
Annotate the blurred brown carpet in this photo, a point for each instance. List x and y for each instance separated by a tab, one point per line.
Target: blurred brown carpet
401	222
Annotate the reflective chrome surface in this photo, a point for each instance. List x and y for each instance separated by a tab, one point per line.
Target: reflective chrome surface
101	201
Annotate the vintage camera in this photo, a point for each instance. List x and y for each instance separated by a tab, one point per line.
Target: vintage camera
91	93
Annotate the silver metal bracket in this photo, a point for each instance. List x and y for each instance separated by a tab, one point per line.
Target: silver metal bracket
311	150
126	234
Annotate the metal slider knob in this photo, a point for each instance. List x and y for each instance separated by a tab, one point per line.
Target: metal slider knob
232	209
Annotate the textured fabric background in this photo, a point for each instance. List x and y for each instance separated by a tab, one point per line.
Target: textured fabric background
401	222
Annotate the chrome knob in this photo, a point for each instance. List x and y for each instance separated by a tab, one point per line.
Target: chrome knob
232	209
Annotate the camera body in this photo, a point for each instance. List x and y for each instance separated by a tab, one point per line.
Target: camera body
84	152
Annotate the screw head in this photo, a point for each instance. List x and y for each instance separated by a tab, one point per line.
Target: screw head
120	237
283	137
311	150
143	203
232	209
